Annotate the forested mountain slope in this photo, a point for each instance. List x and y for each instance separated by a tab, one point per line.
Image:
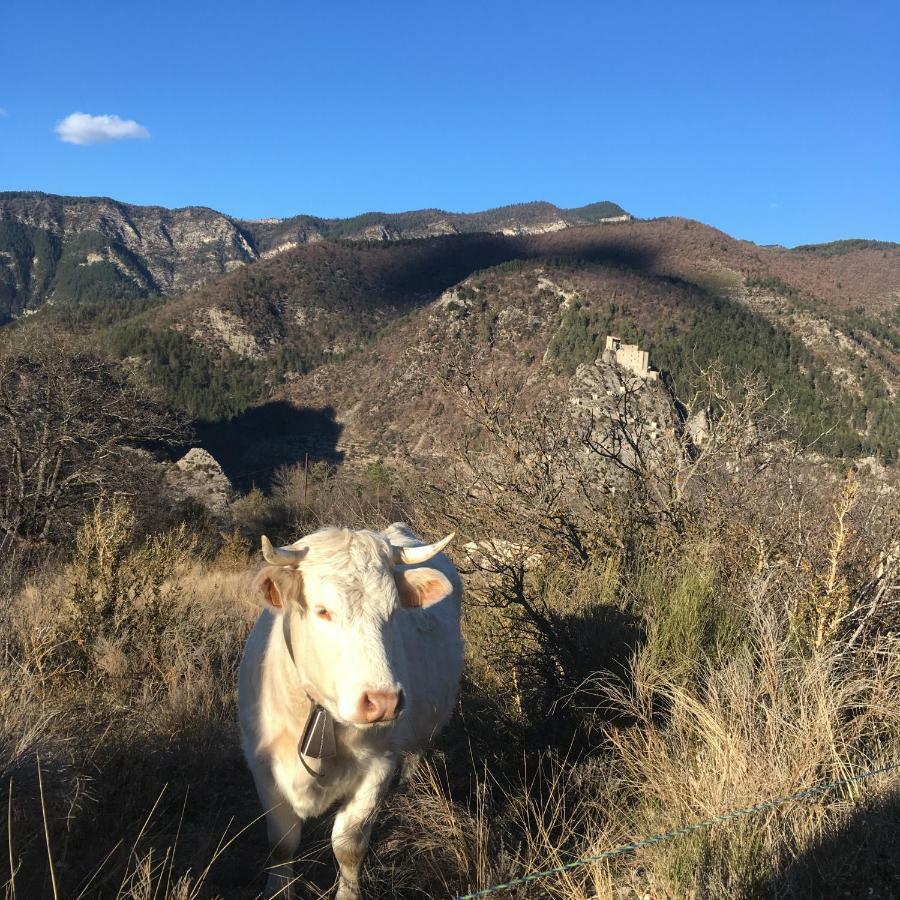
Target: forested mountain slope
88	249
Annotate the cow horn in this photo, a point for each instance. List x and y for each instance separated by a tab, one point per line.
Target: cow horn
280	556
413	555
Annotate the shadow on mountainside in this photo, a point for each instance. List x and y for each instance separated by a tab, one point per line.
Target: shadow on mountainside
443	262
415	272
253	445
401	274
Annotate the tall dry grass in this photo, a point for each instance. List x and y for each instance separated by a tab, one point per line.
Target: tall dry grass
718	708
664	677
117	680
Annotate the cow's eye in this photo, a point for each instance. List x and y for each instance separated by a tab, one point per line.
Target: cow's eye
322	613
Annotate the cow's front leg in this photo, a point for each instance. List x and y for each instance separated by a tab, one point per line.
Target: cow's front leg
353	825
283	826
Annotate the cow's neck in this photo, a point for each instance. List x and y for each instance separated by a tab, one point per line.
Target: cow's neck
318	739
309	690
348	741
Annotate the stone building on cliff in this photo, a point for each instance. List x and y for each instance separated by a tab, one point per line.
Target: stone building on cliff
630	357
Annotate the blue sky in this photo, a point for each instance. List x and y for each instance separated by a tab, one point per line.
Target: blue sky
777	122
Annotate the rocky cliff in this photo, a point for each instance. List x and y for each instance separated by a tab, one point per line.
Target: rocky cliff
94	248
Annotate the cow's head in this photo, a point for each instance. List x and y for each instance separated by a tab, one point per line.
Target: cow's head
346	594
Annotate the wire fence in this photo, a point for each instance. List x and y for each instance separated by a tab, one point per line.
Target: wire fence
679	832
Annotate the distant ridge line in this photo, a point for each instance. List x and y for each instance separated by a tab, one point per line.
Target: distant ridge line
591	211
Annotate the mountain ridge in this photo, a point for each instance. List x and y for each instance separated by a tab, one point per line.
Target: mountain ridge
59	248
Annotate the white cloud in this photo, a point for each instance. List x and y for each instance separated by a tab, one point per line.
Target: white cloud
82	128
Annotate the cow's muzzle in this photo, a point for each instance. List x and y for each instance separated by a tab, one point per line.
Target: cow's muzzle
373	707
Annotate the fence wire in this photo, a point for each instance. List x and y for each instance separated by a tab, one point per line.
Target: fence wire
679	832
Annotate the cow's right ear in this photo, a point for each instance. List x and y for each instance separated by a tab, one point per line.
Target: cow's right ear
278	586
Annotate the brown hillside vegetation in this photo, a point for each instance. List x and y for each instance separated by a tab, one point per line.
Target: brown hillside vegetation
681	247
674	248
686	292
543	317
337	289
351	280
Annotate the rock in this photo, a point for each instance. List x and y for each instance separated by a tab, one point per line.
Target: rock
221	327
697	428
198	476
611	399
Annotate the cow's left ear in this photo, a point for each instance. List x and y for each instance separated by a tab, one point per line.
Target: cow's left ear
277	587
421	587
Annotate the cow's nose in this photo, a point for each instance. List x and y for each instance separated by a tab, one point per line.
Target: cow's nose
380	706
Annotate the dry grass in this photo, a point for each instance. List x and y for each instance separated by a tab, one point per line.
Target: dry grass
763	723
694	727
657	684
112	706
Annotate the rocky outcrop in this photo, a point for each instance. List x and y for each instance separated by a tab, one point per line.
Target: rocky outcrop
222	329
627	414
536	227
198	476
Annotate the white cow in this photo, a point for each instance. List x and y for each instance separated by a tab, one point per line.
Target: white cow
356	623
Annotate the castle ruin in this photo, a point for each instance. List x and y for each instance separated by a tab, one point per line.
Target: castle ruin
629	357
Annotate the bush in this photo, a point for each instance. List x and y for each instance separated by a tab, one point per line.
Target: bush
77	429
122	611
